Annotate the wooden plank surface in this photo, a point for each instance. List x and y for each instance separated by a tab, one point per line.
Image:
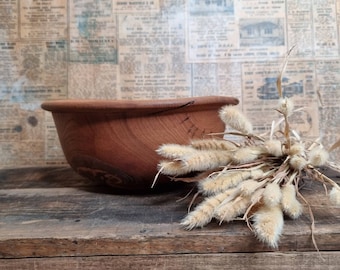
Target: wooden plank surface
51	212
239	261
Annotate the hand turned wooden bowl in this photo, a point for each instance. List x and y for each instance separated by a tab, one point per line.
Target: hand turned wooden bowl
114	141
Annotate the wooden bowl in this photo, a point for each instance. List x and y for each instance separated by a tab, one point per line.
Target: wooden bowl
114	141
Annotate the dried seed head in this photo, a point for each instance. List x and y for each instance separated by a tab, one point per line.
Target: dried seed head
290	205
295	209
272	194
173	151
206	160
334	195
297	162
286	106
231	116
257	195
213	144
296	149
246	154
318	156
249	186
273	147
173	168
256	173
226	179
220	182
268	224
256	202
204	212
232	209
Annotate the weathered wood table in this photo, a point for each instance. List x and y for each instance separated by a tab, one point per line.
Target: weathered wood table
51	218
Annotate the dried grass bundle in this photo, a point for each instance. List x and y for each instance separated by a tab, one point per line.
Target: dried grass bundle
255	180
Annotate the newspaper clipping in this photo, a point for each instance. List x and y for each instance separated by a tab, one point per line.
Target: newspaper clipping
136	49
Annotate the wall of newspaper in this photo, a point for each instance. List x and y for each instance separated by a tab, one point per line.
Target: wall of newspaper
136	49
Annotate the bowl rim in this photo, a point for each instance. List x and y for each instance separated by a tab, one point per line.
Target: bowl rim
95	105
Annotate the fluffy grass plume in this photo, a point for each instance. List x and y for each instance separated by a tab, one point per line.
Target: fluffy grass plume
232	117
318	156
213	144
272	194
334	196
174	151
290	205
230	210
204	212
274	147
224	180
268	225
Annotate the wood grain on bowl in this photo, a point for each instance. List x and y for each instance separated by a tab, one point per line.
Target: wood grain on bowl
114	141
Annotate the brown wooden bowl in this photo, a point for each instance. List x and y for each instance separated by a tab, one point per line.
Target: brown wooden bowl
114	141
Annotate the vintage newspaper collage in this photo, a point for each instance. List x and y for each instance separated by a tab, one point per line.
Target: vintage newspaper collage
154	49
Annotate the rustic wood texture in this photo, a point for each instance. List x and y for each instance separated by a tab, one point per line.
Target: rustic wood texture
239	261
115	141
54	213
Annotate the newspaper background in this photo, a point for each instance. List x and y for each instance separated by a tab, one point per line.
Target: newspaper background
136	49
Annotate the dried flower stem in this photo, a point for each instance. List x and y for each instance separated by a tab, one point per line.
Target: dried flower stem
312	226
